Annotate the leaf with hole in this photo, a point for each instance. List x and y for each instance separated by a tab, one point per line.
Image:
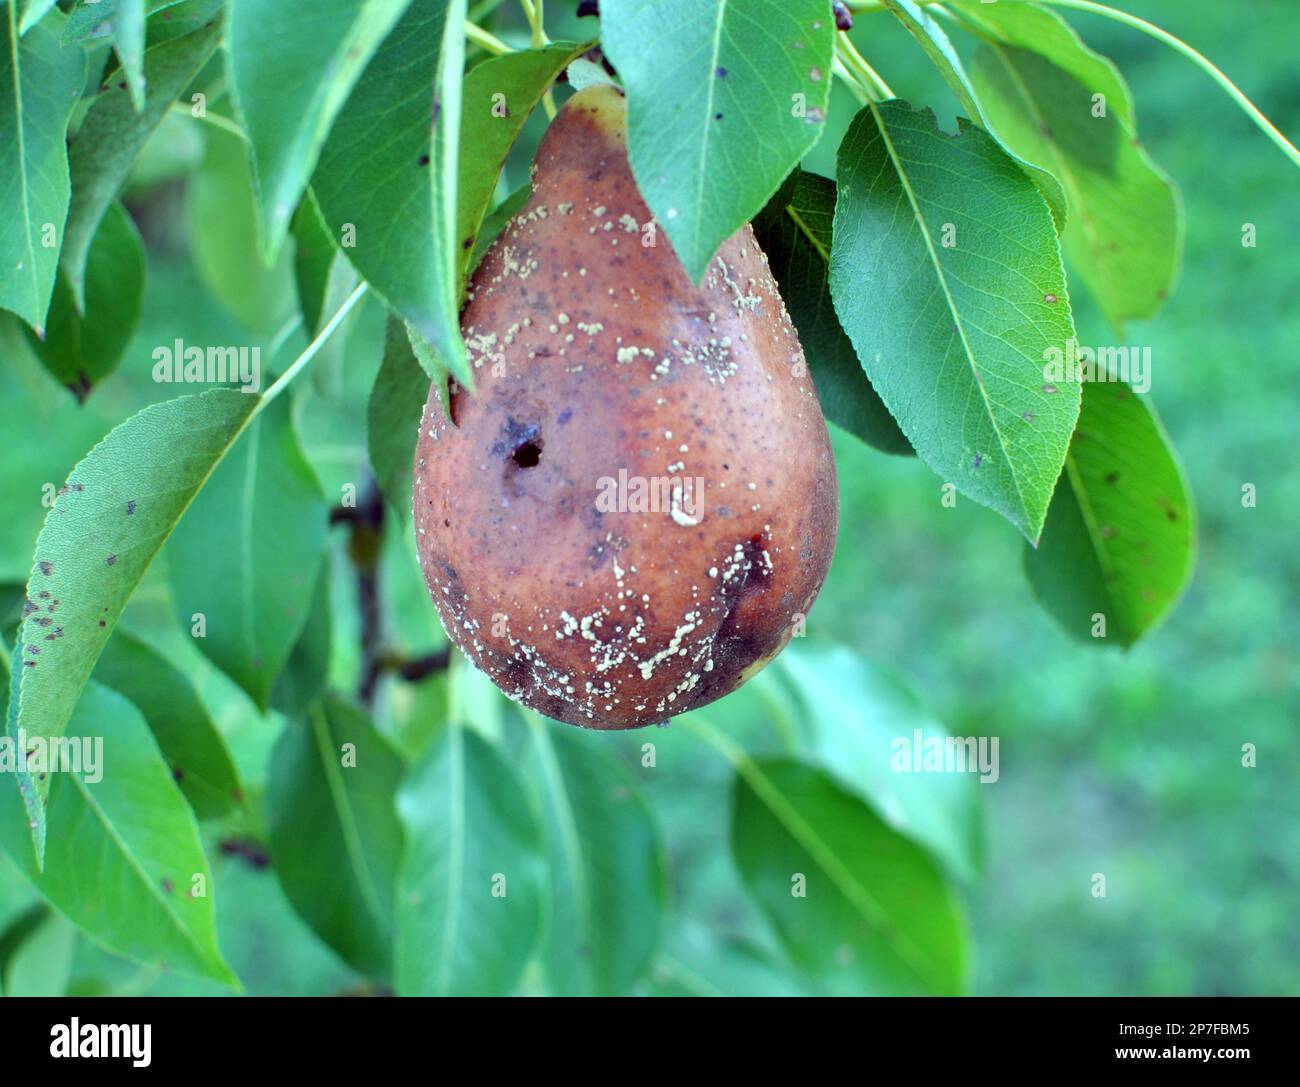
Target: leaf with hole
939	48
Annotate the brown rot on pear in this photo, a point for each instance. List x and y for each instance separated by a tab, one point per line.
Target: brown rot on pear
636	508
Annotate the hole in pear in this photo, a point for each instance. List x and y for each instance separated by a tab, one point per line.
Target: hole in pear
527	455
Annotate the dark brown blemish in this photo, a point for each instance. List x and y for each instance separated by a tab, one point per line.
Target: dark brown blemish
130	507
112	560
46	567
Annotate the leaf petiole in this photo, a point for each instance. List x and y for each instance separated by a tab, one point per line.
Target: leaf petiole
486	40
309	352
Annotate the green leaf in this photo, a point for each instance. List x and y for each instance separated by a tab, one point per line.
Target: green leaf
124	862
498	97
42	964
794	230
304	677
112	135
78	350
178	719
607	867
335	838
851	714
947	277
938	47
723	101
123	23
171	19
383	178
128	44
471	894
697	962
1037	80
289	82
108	522
393	416
246	558
1119	536
222	227
323	276
875	913
31	404
40	82
33	12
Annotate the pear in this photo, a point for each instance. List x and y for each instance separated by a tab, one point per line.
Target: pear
636	508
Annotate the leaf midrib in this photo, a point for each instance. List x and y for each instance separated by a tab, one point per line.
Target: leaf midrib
569	838
456	860
858	895
958	322
705	130
1064	174
347	819
133	862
